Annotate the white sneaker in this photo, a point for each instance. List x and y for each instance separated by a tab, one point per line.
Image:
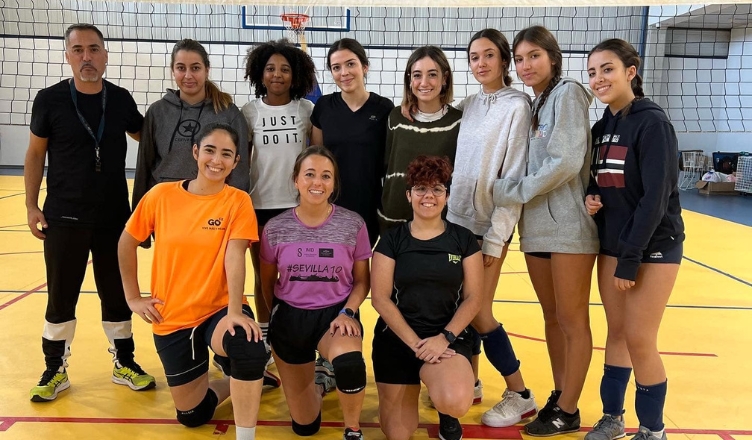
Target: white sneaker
478	393
511	410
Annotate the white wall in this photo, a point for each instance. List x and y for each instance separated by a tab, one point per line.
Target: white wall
710	100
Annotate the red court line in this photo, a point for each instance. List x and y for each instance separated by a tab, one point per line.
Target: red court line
24	295
482	432
666	353
221	426
221	429
19	298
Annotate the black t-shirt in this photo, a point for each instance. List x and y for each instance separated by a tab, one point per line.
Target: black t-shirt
76	193
358	140
428	275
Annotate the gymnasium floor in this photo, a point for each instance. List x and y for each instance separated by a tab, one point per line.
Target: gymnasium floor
705	338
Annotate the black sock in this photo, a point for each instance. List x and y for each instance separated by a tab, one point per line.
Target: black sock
525	394
568	414
477	382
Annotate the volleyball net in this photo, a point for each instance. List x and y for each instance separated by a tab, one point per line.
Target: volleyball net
697	59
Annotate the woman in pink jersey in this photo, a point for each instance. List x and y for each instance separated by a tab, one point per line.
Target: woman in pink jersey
314	269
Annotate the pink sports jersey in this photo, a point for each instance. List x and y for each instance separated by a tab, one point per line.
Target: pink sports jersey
315	264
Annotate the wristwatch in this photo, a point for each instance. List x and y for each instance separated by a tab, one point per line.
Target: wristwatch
451	337
347	312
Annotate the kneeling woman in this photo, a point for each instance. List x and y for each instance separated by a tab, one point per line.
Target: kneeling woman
427	285
198	274
314	269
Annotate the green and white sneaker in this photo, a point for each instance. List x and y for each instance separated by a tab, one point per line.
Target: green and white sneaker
133	376
50	384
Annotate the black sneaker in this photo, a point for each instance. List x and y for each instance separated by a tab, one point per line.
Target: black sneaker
557	423
449	428
547	411
353	435
222	363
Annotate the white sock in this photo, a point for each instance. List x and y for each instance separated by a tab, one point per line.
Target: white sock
658	434
242	433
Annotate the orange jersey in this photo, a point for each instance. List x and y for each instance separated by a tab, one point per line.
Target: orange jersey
192	232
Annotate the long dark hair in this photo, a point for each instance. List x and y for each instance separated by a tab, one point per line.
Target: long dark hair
220	99
629	57
301	64
438	57
543	38
501	43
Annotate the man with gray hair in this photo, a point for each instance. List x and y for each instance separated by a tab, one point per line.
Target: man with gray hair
79	126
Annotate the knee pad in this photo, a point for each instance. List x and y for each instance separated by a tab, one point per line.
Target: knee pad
499	351
350	372
202	413
247	359
309	429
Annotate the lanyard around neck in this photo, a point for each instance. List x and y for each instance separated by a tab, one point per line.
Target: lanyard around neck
100	131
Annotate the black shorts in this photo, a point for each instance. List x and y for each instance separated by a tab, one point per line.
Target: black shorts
395	363
475	337
264	215
295	333
544	255
672	255
509	240
185	353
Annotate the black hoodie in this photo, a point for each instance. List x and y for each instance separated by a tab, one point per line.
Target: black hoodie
635	171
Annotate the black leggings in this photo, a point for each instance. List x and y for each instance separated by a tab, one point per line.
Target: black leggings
66	252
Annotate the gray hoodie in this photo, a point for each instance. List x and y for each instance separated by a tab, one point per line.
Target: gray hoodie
554	218
492	141
165	152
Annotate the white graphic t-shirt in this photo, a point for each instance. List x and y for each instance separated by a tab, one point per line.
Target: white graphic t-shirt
278	134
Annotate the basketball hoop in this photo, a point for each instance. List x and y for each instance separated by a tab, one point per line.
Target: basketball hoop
295	24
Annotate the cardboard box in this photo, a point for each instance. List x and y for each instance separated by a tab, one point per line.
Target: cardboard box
716	188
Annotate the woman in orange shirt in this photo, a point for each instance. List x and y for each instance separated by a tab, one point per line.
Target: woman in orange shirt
198	274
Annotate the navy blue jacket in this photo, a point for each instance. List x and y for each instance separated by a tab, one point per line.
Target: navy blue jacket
635	171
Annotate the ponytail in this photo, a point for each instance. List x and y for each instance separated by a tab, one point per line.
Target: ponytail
219	99
638	93
637	86
507	77
542	100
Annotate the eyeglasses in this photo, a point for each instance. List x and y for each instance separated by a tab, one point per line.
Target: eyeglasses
421	190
